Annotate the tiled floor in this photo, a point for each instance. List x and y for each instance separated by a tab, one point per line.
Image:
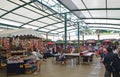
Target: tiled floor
48	69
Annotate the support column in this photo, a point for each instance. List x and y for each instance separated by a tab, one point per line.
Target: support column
98	35
69	36
65	35
78	34
46	35
83	36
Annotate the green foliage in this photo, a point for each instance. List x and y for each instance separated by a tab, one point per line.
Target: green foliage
47	40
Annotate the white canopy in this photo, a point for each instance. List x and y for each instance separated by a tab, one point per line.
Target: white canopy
19	32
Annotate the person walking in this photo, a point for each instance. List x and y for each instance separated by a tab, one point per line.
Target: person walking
101	52
38	61
109	63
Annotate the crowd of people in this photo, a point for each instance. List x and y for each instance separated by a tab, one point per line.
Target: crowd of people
111	61
109	53
110	57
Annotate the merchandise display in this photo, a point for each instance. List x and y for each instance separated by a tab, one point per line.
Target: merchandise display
16	53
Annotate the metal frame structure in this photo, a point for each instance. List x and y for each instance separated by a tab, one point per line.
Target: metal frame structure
47	16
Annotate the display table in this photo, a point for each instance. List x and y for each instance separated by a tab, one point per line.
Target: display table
21	68
15	68
69	55
86	56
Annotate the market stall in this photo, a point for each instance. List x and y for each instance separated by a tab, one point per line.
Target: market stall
17	45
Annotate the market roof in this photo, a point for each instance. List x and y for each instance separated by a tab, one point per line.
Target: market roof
47	16
99	14
20	32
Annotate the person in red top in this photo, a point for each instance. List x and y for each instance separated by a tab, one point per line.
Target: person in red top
102	51
83	47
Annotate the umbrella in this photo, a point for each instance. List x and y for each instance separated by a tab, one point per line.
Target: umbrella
107	41
50	43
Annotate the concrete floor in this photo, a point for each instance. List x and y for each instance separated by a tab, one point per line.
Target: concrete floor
3	73
48	69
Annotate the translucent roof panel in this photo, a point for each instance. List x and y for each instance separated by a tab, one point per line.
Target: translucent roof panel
10	22
48	15
43	29
35	10
56	18
47	20
107	21
2	12
40	7
79	4
98	13
86	14
59	24
51	27
94	3
89	20
59	30
105	26
113	3
55	5
27	13
38	24
96	28
16	17
69	28
114	14
28	26
7	5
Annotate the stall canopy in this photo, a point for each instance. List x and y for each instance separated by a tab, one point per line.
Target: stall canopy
18	32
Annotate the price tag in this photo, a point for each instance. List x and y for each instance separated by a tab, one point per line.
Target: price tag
21	66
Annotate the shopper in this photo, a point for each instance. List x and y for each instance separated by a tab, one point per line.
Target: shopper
109	63
45	53
61	58
38	61
101	53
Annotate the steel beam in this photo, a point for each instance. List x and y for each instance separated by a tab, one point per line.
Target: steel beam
8	25
104	24
38	19
50	25
17	8
95	9
65	32
103	18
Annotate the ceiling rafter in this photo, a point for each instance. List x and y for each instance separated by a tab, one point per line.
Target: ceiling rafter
35	11
46	32
104	24
67	30
103	27
58	28
17	8
8	25
92	9
38	19
50	25
106	6
87	8
51	9
19	22
22	16
43	10
102	18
